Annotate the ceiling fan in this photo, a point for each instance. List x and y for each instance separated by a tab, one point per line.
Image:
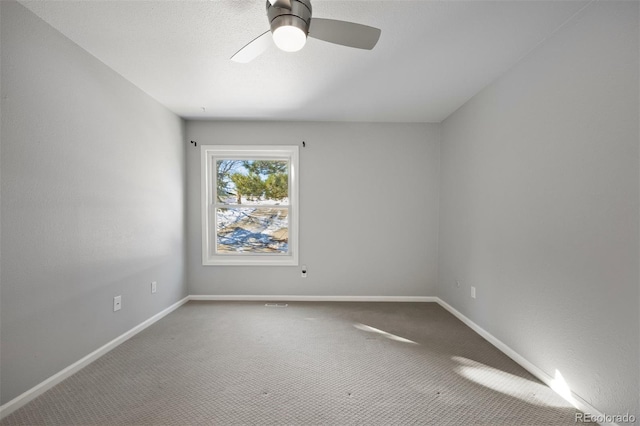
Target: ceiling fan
291	24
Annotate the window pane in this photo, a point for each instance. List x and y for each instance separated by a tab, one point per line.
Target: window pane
252	230
262	182
249	204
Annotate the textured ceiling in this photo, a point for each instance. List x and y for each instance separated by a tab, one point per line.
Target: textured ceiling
431	58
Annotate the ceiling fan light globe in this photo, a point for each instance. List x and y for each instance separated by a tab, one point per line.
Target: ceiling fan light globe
289	38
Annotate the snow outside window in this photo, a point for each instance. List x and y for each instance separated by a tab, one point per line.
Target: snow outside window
249	205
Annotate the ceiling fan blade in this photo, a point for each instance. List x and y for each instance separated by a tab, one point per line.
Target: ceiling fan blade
253	49
283	4
344	33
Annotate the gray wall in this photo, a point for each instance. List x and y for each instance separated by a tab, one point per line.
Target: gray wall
539	207
92	203
368	210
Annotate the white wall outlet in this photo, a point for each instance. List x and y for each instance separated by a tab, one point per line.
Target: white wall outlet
154	286
473	292
457	283
303	274
117	303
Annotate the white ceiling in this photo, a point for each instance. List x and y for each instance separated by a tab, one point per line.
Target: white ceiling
431	58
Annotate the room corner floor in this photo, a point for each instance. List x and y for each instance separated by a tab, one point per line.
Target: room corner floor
308	363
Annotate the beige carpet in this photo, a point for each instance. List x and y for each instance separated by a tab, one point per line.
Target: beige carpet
228	363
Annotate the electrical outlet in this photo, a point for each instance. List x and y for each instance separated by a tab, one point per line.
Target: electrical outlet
304	271
473	292
117	303
457	283
154	286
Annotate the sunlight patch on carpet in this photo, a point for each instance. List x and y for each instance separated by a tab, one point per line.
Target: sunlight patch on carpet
390	336
506	383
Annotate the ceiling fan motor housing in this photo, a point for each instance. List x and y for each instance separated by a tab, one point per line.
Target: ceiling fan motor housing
299	15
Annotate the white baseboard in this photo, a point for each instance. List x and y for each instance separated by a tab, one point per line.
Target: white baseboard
44	386
290	298
573	399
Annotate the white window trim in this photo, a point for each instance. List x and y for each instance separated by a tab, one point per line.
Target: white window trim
208	156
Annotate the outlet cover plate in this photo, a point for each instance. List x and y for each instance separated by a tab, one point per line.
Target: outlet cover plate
117	303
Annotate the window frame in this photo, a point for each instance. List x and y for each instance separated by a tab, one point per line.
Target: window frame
209	155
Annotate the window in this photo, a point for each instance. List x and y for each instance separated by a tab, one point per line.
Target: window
249	205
